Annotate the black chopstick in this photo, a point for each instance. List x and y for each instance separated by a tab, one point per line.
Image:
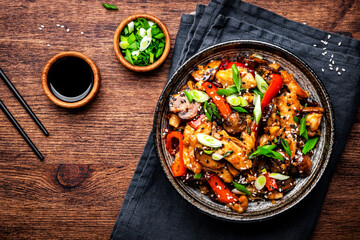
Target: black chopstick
20	130
22	101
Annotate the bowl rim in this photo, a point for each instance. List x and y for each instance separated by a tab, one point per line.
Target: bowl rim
117	47
291	203
89	97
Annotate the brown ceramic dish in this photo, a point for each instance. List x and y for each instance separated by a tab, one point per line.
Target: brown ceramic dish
117	47
307	80
90	96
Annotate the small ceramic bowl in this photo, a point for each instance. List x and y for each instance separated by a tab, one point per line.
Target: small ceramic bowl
88	98
121	58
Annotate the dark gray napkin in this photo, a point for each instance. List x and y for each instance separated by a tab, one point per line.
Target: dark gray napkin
152	209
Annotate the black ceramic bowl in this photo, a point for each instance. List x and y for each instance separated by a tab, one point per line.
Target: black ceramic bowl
306	79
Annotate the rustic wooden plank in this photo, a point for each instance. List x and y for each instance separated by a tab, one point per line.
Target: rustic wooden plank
108	136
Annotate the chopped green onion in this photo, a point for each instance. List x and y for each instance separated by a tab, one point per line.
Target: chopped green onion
158	36
275	140
198	176
296	119
151	58
257	109
286	146
110	6
217	157
278	176
236	77
227	91
266	151
199	96
260	83
151	23
258	92
310	144
142	32
208	111
131	26
215	110
227	154
233	100
303	131
159	52
124	45
241	188
208	152
145	42
260	182
188	95
128	56
149	33
135	53
240	109
208	140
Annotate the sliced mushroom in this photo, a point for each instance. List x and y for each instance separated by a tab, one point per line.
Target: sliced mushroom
286	185
180	104
235	123
206	73
304	165
206	161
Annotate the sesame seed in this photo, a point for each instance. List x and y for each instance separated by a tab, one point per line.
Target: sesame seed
337	69
339	44
67	30
329	36
324	48
40	28
322	70
339	73
304	23
332	55
330	65
331	68
343	69
48	45
82	32
324	53
58	25
330	59
314	45
324	42
333	62
62	26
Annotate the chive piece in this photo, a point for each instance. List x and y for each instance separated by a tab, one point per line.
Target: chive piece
286	146
266	151
236	77
198	176
241	187
296	119
208	152
275	140
110	6
227	154
158	36
128	56
215	110
258	92
208	112
188	95
257	109
239	109
151	58
260	83
310	144
159	52
303	131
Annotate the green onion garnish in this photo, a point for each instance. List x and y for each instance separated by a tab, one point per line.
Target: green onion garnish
208	111
199	96
208	140
303	131
278	176
227	154
240	109
198	176
310	144
217	157
260	83
257	109
266	151
208	152
110	6
241	187
296	119
215	110
260	182
188	95
236	77
227	91
286	146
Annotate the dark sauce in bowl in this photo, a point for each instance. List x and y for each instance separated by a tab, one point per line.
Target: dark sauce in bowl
70	79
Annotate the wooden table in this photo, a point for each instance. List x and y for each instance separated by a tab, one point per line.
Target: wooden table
91	154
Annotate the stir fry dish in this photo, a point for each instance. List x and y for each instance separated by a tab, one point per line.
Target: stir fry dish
242	131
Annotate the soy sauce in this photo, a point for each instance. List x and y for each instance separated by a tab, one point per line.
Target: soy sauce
70	79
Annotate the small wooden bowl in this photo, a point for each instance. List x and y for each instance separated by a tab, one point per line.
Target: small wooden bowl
121	58
91	95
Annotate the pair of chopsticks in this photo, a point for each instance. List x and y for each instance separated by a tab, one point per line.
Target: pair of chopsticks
28	109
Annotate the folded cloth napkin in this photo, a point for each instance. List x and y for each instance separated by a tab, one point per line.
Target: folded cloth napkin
152	209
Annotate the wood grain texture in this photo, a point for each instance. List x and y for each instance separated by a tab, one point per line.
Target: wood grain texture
53	200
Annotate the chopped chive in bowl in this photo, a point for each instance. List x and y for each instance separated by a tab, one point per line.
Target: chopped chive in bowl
142	42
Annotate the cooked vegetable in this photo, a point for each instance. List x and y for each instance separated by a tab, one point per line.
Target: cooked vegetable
270	182
257	109
227	91
260	182
310	144
278	176
286	146
198	176
303	131
236	77
199	96
223	194
241	188
110	6
177	168
217	156
219	101
266	151
189	96
197	122
208	140
208	111
260	83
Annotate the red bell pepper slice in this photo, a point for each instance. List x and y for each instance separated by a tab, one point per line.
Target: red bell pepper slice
271	92
197	122
223	194
218	100
270	182
227	64
178	168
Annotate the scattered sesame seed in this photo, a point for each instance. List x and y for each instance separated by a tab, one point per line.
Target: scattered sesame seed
48	45
330	65
324	42
304	23
58	25
322	70
324	53
339	73
330	59
343	69
333	62
62	26
42	26
329	36
324	48
332	55
68	30
331	68
339	44
337	69
314	45
82	32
